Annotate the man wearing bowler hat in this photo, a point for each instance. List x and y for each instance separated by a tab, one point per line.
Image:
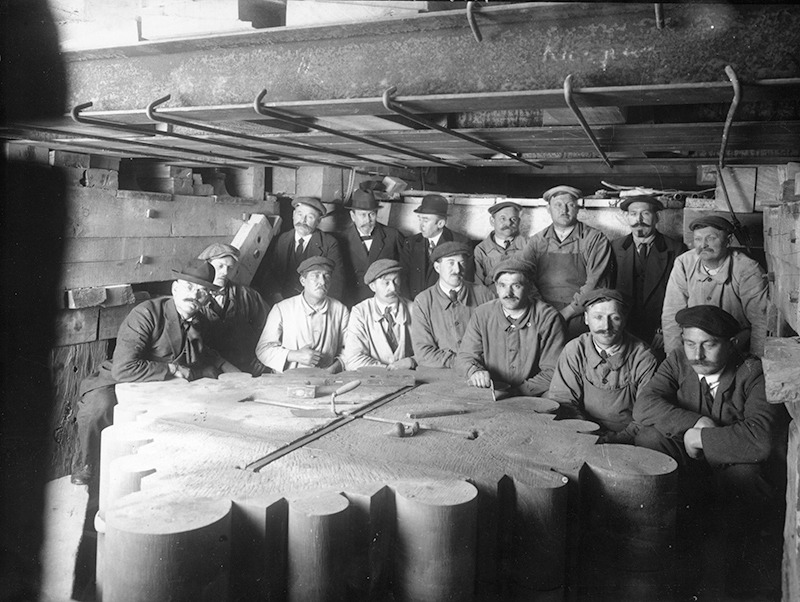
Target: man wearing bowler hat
644	261
365	241
715	274
276	277
599	373
416	258
307	330
502	242
706	407
158	340
378	333
442	311
571	258
235	314
514	339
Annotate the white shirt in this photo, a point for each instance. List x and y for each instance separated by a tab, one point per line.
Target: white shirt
712	380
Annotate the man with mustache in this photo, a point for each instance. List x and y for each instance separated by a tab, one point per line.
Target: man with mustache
715	274
365	241
599	373
513	339
416	255
503	242
307	330
378	333
441	312
571	258
276	277
158	340
644	260
706	407
235	314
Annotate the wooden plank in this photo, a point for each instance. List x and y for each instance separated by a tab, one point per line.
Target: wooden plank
73	326
741	186
119	294
78	298
87	250
252	240
69	159
768	188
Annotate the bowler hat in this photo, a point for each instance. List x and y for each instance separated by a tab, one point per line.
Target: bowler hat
446	249
381	268
605	294
198	271
498	206
312	202
710	318
641	198
363	199
713	221
513	264
558	190
216	250
433	204
318	262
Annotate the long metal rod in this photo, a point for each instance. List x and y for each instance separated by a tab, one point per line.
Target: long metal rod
395	107
473	24
262	110
739	230
150	155
659	15
114	125
584	124
301	146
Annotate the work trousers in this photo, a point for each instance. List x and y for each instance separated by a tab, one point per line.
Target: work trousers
94	413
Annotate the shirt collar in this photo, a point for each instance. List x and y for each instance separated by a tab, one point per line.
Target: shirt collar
310	311
434	239
305	238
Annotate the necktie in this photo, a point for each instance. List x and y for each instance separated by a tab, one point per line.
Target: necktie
453	297
642	250
431	246
506	243
706	396
603	354
298	252
389	328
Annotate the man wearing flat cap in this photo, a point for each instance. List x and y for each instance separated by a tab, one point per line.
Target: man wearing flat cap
707	408
307	330
416	257
378	333
571	258
715	274
599	373
235	314
503	241
364	241
276	277
514	339
442	311
644	261
158	340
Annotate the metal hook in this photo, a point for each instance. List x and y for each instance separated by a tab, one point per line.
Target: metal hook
659	15
584	124
395	107
473	24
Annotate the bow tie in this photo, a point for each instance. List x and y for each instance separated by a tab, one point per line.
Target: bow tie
369	237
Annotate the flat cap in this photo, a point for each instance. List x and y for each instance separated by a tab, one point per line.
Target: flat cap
605	294
311	201
499	206
217	250
710	318
712	221
317	262
446	249
198	271
363	199
557	190
513	264
641	198
433	204
381	268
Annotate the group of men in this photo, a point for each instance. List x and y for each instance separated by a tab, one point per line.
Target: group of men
638	334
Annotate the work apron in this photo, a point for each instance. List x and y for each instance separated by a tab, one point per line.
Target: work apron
560	276
612	407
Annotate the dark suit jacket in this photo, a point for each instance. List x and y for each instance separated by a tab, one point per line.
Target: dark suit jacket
279	274
645	320
387	243
419	272
150	338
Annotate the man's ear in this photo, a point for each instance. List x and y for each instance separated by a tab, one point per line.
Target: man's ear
437	266
174	286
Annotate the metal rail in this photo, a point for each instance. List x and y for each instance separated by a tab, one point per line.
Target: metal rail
395	107
262	110
114	125
160	117
584	124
